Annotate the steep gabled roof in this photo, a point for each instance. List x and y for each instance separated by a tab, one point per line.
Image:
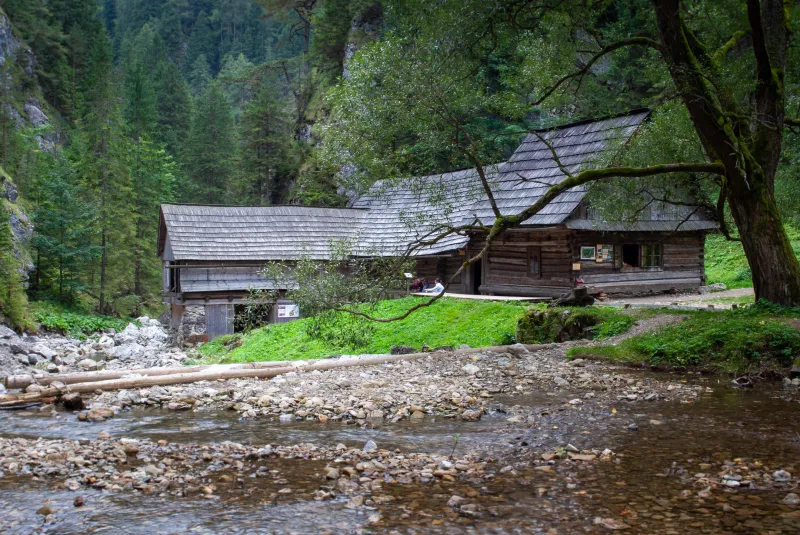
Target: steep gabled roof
532	170
402	212
397	213
255	232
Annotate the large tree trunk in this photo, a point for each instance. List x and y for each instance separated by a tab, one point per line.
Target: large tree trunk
776	271
749	151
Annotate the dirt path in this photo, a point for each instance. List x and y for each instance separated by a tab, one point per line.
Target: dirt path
716	298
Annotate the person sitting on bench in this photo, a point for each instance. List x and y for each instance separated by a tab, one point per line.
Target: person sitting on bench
437	289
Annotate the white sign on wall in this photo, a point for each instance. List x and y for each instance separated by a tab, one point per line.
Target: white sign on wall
288	311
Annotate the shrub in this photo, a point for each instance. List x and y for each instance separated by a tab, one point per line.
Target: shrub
75	322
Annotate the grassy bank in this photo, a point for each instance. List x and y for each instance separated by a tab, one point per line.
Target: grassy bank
449	322
726	263
738	341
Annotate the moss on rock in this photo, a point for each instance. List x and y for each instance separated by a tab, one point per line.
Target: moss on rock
556	325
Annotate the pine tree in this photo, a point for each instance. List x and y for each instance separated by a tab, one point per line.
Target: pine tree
153	172
266	135
236	76
174	108
140	109
140	115
211	147
62	241
99	147
200	75
202	42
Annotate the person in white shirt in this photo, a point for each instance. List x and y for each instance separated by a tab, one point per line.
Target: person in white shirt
438	288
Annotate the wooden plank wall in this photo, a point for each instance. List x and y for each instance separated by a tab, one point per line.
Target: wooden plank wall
506	266
221	278
682	263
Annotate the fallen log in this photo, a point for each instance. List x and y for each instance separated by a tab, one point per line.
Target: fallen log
13	382
240	373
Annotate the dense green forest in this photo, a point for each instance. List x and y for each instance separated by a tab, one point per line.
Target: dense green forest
152	101
293	101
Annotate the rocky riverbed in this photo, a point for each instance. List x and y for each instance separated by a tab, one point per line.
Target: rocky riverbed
137	346
494	442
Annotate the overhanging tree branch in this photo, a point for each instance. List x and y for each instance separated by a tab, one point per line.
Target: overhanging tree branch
505	222
592	175
722	51
633	41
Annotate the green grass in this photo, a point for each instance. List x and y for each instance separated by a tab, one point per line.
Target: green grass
739	341
726	263
448	322
73	321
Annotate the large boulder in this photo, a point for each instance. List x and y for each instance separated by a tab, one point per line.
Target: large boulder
538	326
129	335
6	333
128	351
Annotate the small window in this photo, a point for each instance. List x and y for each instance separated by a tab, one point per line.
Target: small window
534	261
651	255
588	253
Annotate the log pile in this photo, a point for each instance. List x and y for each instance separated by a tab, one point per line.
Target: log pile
58	385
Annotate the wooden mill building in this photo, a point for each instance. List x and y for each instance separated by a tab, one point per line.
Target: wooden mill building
212	255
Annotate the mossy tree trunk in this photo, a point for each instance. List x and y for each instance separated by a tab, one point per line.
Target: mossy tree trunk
746	142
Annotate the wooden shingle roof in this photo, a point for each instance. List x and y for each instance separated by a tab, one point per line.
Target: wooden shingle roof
532	170
395	214
402	212
255	232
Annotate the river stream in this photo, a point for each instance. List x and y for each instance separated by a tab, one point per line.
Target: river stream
648	488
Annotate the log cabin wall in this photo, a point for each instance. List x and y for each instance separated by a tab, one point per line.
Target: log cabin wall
202	282
527	262
678	259
540	263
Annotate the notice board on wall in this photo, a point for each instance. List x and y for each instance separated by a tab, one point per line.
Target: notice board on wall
605	253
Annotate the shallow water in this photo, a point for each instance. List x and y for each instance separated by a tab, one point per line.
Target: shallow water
435	435
643	488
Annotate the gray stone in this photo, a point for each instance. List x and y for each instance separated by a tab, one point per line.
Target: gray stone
471	369
471	415
455	501
44	351
794	373
370	446
716	287
87	364
791	499
781	476
6	333
355	502
128	351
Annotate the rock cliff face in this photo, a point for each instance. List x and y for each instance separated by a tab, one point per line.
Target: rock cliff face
26	109
24	106
21	227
